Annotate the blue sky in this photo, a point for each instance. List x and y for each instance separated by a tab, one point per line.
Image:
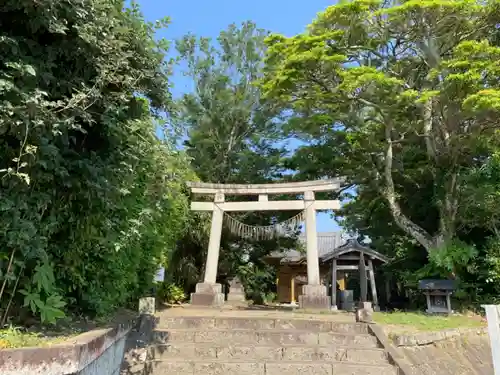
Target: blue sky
208	18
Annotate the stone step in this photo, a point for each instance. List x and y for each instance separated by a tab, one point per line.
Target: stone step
268	337
265	368
203	351
206	323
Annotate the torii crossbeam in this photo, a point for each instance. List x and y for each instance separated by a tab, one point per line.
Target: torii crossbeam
314	294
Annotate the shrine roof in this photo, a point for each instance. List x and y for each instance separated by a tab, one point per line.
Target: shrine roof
353	246
429	284
330	245
326	242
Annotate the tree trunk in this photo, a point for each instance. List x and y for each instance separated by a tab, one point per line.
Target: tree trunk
420	234
429	139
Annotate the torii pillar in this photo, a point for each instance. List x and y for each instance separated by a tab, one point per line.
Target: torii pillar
314	294
209	293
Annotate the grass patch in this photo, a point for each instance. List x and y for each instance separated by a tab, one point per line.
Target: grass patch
415	321
39	335
13	337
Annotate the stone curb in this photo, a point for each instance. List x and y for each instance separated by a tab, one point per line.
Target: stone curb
426	338
395	357
68	357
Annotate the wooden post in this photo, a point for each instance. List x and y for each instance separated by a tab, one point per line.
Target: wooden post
362	277
387	289
278	288
292	289
334	283
492	315
373	285
428	297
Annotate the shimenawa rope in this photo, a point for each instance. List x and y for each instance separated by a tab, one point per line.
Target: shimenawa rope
268	232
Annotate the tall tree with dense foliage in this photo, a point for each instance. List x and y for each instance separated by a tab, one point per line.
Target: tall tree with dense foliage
90	199
402	99
231	131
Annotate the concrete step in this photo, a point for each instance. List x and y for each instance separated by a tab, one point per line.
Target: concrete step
269	337
203	351
265	368
206	323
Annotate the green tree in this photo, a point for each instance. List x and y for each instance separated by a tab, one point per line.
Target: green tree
231	131
90	199
479	216
400	99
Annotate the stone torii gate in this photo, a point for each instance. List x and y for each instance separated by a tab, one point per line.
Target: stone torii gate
314	294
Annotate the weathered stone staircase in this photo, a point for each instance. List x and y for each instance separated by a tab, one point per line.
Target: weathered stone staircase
264	346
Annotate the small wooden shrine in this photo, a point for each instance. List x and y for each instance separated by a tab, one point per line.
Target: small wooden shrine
353	256
339	259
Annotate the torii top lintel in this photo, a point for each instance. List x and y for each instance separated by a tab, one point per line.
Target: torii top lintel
257	189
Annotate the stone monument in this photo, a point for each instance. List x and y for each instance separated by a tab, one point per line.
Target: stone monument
236	291
147	306
364	312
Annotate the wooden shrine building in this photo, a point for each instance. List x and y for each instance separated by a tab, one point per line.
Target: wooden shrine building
345	264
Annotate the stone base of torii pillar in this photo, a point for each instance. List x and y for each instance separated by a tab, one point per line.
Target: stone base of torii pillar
314	297
208	294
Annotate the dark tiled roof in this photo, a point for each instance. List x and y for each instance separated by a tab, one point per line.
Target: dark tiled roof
330	245
436	284
327	241
352	245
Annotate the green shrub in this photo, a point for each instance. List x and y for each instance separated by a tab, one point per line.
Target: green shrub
171	293
89	196
258	281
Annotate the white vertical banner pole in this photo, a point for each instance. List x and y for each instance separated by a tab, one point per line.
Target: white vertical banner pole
493	317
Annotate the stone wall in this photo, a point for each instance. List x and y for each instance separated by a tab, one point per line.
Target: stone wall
108	363
98	352
448	352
